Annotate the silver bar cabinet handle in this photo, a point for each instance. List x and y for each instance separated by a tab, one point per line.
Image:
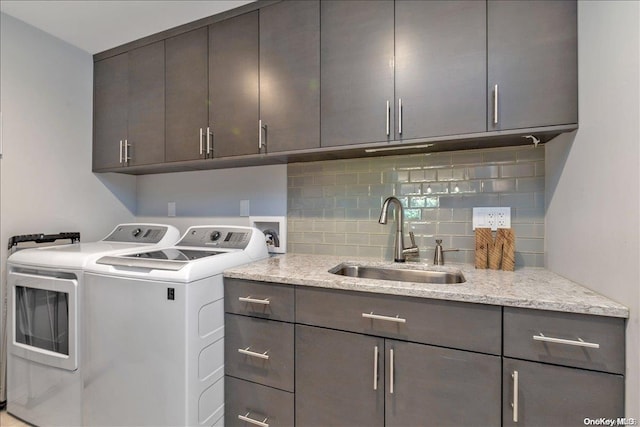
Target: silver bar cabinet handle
396	319
375	367
391	373
578	343
120	151
400	116
254	300
209	134
259	134
246	418
247	352
126	152
388	117
201	136
514	405
495	104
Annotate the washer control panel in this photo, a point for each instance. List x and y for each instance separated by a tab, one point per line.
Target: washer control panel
137	233
219	237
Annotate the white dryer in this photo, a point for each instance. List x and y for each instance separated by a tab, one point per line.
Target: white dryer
155	329
45	285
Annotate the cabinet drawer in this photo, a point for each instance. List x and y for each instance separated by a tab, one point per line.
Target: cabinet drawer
259	350
583	341
465	326
257	402
259	299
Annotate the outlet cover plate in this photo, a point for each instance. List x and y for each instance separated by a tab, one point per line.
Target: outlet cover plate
493	218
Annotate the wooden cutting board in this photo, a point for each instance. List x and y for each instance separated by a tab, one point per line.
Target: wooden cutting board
508	238
495	254
484	241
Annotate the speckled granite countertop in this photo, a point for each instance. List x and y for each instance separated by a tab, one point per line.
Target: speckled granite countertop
535	288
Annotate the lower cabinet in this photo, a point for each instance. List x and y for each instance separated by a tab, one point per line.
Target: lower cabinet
319	357
536	394
339	378
357	380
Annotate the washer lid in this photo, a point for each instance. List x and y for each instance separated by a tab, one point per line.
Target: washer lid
171	259
174	254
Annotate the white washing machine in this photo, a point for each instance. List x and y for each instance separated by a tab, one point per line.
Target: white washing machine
155	329
45	285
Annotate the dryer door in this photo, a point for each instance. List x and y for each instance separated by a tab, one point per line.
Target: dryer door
43	317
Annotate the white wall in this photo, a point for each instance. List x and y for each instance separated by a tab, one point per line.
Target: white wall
214	193
593	183
46	94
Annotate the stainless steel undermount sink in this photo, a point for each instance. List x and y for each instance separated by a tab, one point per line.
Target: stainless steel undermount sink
398	274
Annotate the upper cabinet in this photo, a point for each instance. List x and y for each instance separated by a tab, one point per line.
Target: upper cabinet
532	63
187	103
356	69
110	109
403	70
233	85
129	108
295	80
290	76
440	68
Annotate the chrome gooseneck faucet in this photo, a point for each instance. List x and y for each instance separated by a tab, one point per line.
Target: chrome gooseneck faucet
400	252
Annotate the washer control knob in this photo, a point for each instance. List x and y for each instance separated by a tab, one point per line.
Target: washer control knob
136	232
215	236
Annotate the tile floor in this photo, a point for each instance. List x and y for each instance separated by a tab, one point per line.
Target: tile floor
7	420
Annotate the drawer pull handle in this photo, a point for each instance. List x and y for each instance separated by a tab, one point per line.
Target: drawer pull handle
495	104
254	300
392	377
247	352
375	367
246	418
396	319
579	342
514	405
388	117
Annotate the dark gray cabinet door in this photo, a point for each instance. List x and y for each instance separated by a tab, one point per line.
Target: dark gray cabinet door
290	75
357	73
441	387
145	134
532	58
549	395
187	87
335	378
233	85
110	109
440	68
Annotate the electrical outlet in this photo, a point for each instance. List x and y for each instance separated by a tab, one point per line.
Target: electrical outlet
493	218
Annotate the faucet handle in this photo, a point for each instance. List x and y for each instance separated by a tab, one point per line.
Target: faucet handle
413	251
438	241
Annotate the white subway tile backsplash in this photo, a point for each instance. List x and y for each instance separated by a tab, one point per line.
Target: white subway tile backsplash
357	239
484	172
528	153
333	206
530	184
347	178
499	186
519	170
